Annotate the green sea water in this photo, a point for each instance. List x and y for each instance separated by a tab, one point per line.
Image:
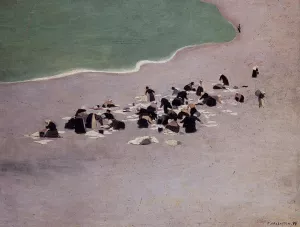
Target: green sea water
40	38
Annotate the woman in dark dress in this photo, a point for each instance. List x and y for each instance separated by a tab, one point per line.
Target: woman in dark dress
108	115
165	104
199	89
173	126
189	87
50	130
239	97
189	123
224	80
255	72
209	100
150	94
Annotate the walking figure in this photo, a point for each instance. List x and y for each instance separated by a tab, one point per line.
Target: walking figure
239	28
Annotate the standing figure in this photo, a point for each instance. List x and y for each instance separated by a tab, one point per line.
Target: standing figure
224	79
255	72
150	94
261	96
239	28
199	89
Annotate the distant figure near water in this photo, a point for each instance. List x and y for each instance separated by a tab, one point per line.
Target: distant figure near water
239	28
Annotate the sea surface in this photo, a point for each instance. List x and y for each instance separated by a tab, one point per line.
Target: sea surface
41	38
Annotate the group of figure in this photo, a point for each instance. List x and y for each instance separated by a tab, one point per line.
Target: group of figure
169	118
188	115
82	120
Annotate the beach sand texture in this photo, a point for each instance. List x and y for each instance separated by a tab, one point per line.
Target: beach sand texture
244	172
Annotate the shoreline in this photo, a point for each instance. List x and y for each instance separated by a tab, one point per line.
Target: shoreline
139	64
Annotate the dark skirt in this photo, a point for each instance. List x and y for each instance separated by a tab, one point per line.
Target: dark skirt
177	102
190	129
199	91
79	126
108	105
210	102
143	123
193	111
182	114
173	128
51	134
239	100
187	88
70	124
165	119
242	99
254	73
218	87
117	125
88	123
151	97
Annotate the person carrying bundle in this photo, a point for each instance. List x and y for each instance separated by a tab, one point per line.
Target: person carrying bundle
261	96
150	94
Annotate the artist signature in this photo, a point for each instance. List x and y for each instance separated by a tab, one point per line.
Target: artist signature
294	223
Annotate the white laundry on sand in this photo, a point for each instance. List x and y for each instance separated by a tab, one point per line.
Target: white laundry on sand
43	142
94	134
66	118
144	140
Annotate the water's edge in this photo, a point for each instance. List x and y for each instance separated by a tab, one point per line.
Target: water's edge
139	64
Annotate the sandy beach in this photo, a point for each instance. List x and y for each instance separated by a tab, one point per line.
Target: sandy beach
244	172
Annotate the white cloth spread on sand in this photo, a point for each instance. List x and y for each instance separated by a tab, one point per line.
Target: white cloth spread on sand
66	118
36	134
172	142
169	132
119	112
142	98
43	142
139	140
94	134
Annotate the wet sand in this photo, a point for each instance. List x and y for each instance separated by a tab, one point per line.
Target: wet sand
244	172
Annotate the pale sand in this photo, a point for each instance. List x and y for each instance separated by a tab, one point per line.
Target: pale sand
243	172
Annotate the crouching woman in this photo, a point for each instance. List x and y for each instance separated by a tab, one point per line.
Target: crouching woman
50	130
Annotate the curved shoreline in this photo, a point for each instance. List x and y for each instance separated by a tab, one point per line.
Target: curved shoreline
139	64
